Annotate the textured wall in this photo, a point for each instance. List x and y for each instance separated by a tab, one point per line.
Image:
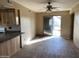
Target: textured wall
76	25
27	23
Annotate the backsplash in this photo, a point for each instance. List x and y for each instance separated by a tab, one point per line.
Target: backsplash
13	28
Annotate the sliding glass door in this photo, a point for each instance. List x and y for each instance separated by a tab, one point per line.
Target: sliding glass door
47	22
52	25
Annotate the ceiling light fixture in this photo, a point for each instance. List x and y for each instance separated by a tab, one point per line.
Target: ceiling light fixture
49	7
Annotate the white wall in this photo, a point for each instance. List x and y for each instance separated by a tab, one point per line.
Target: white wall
76	29
75	10
27	23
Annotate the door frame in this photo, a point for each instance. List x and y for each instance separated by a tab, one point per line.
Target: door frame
72	25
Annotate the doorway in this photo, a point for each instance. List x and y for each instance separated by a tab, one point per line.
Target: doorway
52	25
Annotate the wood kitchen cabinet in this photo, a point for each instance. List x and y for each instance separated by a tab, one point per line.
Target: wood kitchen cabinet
7	17
10	47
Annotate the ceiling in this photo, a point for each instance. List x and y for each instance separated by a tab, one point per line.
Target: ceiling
40	5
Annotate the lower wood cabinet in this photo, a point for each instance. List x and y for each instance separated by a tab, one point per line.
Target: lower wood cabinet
10	47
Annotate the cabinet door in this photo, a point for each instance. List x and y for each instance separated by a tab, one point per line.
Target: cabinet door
4	17
14	45
17	43
13	17
0	19
11	20
7	17
4	50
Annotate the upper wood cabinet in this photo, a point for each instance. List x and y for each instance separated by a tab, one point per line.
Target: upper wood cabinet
7	17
